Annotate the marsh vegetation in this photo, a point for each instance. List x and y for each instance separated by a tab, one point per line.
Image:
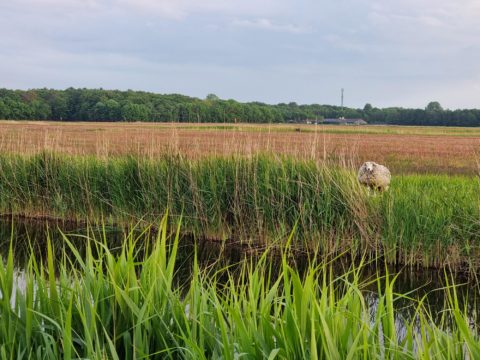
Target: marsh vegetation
101	301
404	149
271	248
423	220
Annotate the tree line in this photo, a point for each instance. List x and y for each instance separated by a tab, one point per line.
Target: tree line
114	105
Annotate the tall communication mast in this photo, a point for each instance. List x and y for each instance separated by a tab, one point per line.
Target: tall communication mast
342	101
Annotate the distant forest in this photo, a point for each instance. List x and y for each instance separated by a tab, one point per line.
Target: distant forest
113	105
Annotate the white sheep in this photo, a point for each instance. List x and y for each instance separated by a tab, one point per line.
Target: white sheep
375	176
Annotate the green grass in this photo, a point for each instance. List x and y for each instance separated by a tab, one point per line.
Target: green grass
236	196
421	213
427	220
126	307
339	129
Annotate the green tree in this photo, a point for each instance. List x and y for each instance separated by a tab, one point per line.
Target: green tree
212	97
434	106
368	108
114	105
3	110
59	106
135	112
40	110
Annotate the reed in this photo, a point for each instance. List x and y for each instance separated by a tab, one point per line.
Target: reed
404	149
431	219
232	195
427	220
126	307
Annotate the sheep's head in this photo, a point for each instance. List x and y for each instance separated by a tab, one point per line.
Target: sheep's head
369	166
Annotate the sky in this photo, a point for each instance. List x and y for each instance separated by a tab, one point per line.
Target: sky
387	53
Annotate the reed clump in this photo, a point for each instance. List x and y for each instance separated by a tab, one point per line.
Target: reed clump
234	196
426	220
123	307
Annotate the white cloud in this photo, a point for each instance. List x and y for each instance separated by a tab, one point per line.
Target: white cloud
342	42
173	9
267	24
430	21
389	52
182	8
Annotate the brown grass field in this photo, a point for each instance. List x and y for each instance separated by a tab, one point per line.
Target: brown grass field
403	149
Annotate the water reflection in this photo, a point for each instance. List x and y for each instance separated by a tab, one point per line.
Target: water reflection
417	284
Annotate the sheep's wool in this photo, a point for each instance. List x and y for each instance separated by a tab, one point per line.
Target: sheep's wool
374	175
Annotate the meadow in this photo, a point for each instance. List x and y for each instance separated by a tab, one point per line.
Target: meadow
278	190
404	149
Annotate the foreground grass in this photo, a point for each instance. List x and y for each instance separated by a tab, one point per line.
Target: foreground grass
428	220
124	307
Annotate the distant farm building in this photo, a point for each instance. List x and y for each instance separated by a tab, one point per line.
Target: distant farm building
342	121
339	121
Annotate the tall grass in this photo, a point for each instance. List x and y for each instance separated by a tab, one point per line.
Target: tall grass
231	196
423	215
123	307
424	219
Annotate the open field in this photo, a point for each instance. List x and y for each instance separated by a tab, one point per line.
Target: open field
402	149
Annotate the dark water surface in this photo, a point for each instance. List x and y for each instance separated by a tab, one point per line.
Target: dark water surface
30	236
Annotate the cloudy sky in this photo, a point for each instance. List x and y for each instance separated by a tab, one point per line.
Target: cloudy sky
388	53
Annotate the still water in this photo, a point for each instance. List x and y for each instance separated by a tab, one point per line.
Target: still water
31	237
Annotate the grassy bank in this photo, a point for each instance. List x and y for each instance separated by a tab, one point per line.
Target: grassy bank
423	220
123	307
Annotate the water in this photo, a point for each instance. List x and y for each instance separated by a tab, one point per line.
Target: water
424	284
